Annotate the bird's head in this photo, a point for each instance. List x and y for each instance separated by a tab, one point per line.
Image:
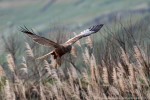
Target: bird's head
92	30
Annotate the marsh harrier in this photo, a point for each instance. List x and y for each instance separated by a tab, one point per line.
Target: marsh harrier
60	49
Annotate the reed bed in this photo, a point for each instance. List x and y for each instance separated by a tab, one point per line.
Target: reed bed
100	78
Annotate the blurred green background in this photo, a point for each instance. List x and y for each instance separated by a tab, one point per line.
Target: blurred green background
43	14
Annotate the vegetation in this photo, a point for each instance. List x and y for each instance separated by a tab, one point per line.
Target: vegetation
115	68
111	64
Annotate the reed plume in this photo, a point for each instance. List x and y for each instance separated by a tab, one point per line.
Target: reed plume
11	63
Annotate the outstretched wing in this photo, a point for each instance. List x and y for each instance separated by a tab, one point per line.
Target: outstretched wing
39	39
84	33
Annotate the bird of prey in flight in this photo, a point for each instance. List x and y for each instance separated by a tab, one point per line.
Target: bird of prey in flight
60	49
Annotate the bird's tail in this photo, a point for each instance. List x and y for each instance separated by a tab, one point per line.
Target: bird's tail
58	59
47	55
44	57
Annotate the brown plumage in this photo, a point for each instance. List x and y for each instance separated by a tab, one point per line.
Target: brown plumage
60	49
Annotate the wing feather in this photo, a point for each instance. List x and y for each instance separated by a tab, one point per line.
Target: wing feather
38	39
84	33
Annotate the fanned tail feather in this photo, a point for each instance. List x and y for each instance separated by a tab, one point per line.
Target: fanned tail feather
47	55
44	57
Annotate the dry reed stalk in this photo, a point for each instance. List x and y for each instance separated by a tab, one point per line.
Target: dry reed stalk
54	74
20	91
16	78
140	97
105	97
148	94
47	68
97	87
9	95
67	90
61	73
89	90
120	75
105	74
74	51
46	64
71	81
77	91
80	84
113	92
114	76
121	82
11	63
2	72
42	96
89	42
29	51
76	94
138	82
73	71
86	77
86	57
92	68
57	91
124	56
24	68
120	68
141	58
23	71
142	76
131	74
23	90
138	55
97	74
98	91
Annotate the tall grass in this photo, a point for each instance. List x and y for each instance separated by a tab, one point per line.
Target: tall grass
116	68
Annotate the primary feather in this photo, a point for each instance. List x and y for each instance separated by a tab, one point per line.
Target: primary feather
85	33
40	40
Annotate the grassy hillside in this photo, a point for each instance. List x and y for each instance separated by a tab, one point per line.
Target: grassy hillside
67	12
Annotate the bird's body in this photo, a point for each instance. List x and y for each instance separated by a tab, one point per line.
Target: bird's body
60	49
58	52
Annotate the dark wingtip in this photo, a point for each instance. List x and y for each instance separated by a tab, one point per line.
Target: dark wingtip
25	30
96	28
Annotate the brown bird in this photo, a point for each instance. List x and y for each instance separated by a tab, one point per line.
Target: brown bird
60	49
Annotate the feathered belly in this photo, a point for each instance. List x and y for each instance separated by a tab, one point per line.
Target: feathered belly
61	51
